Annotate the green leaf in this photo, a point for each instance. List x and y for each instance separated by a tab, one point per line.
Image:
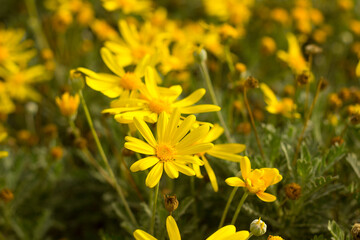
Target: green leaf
336	231
354	162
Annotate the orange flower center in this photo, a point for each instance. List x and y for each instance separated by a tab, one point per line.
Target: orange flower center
139	52
165	152
158	106
130	81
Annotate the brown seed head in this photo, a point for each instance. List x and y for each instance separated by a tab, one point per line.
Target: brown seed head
50	130
337	140
324	84
251	82
6	195
345	94
171	203
355	119
355	231
303	78
57	152
293	191
80	143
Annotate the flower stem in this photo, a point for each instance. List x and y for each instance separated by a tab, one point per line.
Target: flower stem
246	193
306	121
231	197
250	235
152	223
105	160
253	123
205	73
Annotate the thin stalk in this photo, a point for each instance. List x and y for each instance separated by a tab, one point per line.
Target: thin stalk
152	223
193	192
253	123
205	73
306	121
231	197
104	158
250	235
308	84
246	193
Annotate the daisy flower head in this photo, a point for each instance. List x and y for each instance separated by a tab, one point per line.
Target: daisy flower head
171	227
154	100
256	181
227	151
172	150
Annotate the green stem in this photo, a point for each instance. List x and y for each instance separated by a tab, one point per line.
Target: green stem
246	193
206	76
231	197
104	158
152	223
193	192
250	235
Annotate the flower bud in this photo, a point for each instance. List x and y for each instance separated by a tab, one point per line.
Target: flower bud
200	55
251	82
68	104
258	227
77	80
303	78
171	203
355	231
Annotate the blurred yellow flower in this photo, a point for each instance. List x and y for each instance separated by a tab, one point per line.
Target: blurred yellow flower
294	57
173	149
256	181
3	135
285	106
154	100
128	6
227	151
68	104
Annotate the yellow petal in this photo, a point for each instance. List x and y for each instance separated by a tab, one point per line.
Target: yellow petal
358	69
235	182
128	117
141	235
126	33
211	174
241	235
183	129
266	197
203	108
172	125
245	166
172	229
223	233
150	82
197	171
144	164
191	99
111	62
184	169
193	137
214	133
230	147
139	146
154	175
161	126
171	170
270	97
145	131
3	154
194	149
186	159
225	155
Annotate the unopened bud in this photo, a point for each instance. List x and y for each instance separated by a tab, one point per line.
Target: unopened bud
77	80
355	231
258	227
200	55
171	203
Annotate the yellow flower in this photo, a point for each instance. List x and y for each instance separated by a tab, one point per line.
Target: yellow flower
225	151
285	106
3	135
103	30
256	181
171	227
275	238
225	233
68	104
172	151
155	100
293	57
128	6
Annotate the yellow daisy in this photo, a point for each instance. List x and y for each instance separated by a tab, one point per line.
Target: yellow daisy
256	181
225	233
155	100
173	149
227	151
114	85
128	6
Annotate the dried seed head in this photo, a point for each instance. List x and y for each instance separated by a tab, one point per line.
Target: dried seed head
244	128
355	119
345	94
171	203
251	82
313	49
6	195
293	191
337	140
80	143
303	78
57	152
355	231
324	83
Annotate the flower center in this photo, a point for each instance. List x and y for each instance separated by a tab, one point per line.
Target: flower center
158	106
4	53
165	152
139	52
130	81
